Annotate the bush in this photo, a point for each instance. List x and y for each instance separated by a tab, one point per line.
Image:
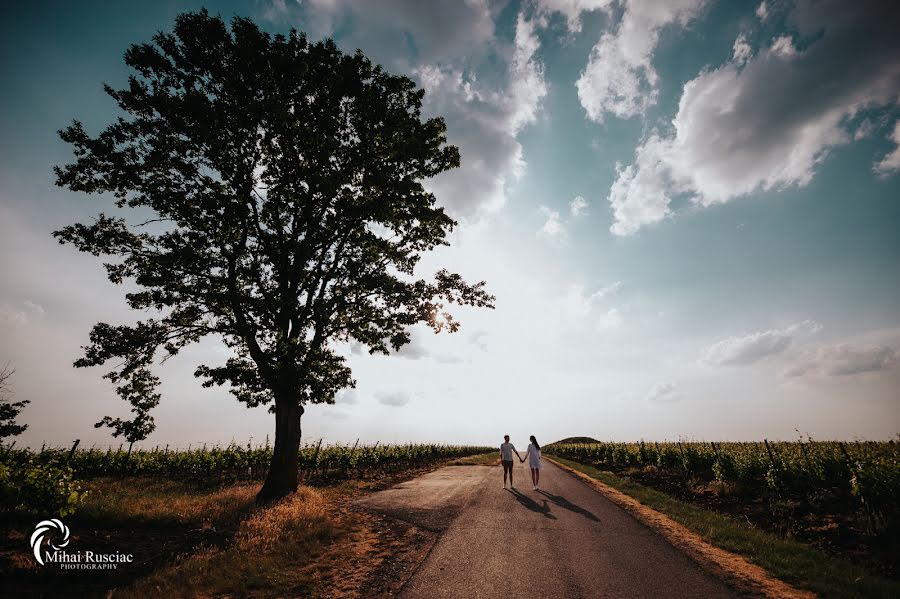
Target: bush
40	489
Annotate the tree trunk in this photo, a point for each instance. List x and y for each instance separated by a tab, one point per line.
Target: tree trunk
282	477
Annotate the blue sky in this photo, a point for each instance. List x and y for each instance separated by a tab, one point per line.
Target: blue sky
688	211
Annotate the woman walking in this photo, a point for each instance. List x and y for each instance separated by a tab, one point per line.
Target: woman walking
533	455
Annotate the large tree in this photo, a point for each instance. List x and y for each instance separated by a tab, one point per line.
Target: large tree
275	188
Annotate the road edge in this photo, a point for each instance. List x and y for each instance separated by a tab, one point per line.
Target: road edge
406	559
736	570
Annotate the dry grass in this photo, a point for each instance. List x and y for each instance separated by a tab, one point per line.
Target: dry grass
311	544
304	514
484	459
166	502
274	554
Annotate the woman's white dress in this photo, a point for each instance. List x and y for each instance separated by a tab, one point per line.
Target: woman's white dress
534	457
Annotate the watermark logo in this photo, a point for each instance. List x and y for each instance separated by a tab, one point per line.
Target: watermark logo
41	530
47	551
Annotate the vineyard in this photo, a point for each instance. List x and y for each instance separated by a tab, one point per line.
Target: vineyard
835	494
47	480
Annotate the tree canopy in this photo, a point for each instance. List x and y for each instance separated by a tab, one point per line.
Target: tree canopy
274	188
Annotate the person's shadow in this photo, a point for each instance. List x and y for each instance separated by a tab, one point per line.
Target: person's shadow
566	504
533	505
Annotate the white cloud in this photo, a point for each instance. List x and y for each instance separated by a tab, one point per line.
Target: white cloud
753	347
527	86
484	123
619	77
609	321
864	130
640	195
418	348
765	124
742	50
452	41
583	310
664	392
762	11
395	399
448	359
739	351
553	229
19	316
415	349
277	11
571	10
578	304
477	339
608	290
420	337
33	307
439	29
845	359
578	206
890	163
11	317
336	415
347	397
783	46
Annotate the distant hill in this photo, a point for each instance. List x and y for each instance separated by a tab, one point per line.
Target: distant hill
576	440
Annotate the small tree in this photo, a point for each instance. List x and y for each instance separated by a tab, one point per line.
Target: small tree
139	391
9	410
278	184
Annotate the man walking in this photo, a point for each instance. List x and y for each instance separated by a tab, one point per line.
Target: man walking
506	451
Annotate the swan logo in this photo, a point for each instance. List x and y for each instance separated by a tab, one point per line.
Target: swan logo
49	551
41	530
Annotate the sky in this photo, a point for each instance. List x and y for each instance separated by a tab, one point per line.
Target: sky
687	210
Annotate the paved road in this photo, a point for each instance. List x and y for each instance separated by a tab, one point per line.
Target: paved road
565	540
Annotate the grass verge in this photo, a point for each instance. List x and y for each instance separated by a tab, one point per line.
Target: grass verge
273	553
792	562
166	502
485	459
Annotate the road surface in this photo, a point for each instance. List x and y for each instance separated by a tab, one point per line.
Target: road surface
565	540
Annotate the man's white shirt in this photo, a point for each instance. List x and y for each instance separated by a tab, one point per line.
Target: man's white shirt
506	451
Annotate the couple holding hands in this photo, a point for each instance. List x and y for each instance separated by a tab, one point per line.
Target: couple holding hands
534	461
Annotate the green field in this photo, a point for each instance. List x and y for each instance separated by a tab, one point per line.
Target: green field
47	482
839	497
